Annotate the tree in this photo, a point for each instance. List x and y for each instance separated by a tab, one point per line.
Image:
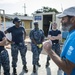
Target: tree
19	14
16	13
46	9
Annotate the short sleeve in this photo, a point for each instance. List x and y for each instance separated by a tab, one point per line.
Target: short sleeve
49	33
59	32
70	55
42	34
9	30
2	34
31	34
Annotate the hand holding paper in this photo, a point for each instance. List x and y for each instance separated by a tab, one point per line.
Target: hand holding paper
47	45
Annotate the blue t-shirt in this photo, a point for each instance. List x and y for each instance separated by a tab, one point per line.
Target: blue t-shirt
54	33
37	35
17	34
65	34
68	51
1	37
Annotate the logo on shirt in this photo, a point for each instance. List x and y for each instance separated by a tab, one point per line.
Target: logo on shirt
70	50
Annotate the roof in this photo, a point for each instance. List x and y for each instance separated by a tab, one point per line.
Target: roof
44	13
19	16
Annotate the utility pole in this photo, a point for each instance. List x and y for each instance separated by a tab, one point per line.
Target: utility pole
61	7
2	13
24	9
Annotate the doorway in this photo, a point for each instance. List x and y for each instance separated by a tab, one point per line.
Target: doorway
46	23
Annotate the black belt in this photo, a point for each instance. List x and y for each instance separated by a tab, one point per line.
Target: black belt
18	43
55	43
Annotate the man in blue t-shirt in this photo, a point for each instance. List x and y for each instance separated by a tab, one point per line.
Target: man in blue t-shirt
17	44
67	60
55	36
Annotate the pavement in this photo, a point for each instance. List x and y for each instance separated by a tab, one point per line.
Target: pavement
51	70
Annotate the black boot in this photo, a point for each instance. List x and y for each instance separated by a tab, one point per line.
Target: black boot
25	68
14	71
34	69
38	64
47	64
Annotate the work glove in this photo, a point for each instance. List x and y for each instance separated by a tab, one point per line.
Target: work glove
39	45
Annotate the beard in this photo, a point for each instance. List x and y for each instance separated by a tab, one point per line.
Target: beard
66	27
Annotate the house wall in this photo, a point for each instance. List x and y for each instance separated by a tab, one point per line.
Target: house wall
27	25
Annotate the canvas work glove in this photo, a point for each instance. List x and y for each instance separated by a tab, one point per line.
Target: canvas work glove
39	45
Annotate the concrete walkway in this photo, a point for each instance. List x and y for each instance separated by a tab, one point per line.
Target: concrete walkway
51	70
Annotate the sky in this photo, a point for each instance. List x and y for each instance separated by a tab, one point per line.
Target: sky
13	6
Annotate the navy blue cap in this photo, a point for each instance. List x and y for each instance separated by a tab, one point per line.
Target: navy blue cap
16	20
35	23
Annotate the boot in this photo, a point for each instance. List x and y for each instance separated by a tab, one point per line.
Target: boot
14	71
34	69
38	64
47	64
25	68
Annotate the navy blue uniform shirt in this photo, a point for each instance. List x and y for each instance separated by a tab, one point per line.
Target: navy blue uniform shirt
1	37
54	33
17	34
37	35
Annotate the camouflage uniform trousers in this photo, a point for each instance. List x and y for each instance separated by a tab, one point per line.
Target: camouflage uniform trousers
14	52
36	53
56	48
4	61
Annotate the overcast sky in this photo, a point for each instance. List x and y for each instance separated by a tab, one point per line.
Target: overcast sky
12	6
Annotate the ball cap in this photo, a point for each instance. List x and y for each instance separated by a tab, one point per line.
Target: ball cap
67	12
36	23
16	19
